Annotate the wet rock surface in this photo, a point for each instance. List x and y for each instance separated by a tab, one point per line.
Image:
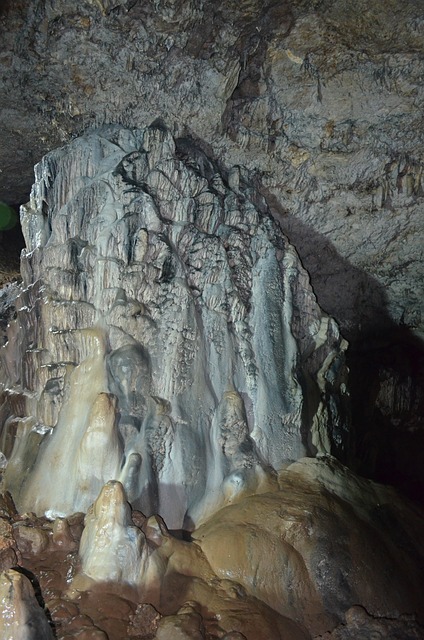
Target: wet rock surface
326	555
21	615
320	544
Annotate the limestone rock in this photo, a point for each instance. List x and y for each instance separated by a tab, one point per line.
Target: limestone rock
110	546
186	625
143	622
172	574
283	564
166	335
323	100
21	617
31	540
324	542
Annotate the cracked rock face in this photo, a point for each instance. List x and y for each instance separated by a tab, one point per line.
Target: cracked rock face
166	335
323	99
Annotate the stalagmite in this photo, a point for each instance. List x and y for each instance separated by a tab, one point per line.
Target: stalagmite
21	617
110	546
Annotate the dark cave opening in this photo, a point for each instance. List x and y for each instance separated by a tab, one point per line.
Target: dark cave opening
387	391
11	244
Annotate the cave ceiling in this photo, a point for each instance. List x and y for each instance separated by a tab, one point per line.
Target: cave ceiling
321	101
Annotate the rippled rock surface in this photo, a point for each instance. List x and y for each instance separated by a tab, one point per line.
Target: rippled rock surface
166	335
325	550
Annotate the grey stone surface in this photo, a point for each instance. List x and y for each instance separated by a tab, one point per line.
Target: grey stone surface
322	99
166	335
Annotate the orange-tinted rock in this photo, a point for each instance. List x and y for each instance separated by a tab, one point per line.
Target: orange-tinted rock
144	622
32	540
62	534
184	626
315	548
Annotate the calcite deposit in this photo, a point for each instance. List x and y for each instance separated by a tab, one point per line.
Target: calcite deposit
296	563
21	617
320	543
165	371
164	365
166	336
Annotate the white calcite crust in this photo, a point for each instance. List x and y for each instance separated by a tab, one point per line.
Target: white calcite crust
166	335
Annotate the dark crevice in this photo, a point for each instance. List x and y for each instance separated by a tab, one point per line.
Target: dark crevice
11	244
386	362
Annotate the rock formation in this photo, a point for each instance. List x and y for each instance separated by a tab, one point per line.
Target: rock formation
165	351
166	336
168	355
322	99
288	564
25	619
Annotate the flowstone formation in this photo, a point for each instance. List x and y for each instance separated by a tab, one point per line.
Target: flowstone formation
325	554
166	367
166	336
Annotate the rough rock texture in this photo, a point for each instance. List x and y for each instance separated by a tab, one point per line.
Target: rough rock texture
166	335
360	625
321	100
324	99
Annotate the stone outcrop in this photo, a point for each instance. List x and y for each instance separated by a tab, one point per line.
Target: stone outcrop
166	335
302	558
322	99
21	617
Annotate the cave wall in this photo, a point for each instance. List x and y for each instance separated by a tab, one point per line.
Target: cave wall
310	110
322	99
